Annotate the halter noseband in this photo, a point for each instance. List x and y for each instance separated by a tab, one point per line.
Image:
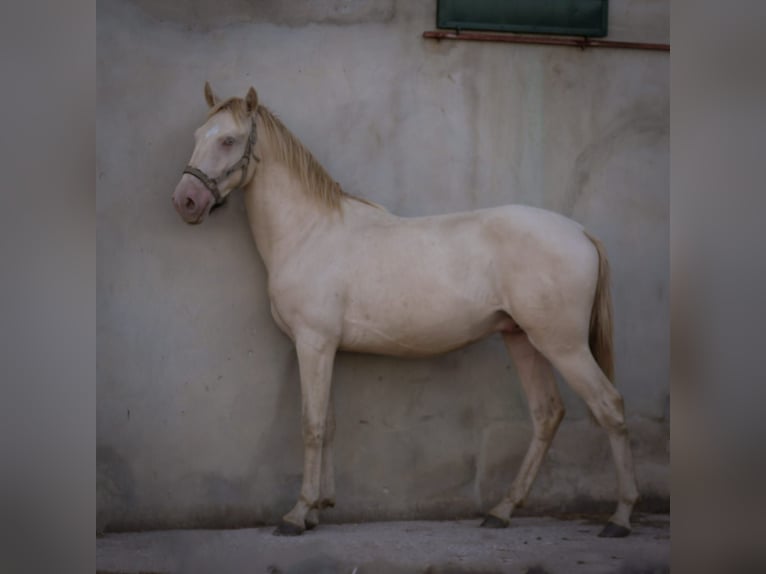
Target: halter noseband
211	183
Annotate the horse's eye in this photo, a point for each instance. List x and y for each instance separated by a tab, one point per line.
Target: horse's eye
228	142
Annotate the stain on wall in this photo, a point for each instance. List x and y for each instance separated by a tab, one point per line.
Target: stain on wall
198	397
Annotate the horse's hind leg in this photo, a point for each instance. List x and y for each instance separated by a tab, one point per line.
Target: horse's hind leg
546	410
327	481
580	370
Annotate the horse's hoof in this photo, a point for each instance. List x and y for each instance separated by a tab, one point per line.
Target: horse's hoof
311	525
492	521
288	529
612	530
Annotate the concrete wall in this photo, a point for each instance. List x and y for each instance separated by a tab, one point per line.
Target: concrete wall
198	397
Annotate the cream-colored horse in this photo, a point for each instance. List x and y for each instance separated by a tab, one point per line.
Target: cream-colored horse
344	274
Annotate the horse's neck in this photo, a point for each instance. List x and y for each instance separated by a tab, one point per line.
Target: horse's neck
282	215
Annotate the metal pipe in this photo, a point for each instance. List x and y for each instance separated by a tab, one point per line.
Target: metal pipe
544	40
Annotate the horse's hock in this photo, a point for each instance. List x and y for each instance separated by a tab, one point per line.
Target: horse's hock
199	396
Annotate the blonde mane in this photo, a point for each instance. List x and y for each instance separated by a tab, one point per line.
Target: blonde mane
288	149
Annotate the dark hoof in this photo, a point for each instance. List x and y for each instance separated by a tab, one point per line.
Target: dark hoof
612	530
311	525
492	521
288	529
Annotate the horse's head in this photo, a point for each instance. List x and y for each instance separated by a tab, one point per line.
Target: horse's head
221	161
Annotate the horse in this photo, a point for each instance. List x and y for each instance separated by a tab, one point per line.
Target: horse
344	274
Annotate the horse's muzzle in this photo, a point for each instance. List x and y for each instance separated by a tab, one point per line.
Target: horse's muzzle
191	200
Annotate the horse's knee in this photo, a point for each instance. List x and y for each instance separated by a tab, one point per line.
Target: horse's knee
313	435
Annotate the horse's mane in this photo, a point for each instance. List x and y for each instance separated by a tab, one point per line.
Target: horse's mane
289	149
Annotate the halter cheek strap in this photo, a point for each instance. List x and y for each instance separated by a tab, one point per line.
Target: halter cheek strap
211	183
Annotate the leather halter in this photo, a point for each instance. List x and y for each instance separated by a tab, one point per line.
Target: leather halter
211	183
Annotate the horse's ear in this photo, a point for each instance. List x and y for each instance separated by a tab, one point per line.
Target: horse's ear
251	99
210	97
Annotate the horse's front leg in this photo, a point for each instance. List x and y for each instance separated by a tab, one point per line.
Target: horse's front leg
327	481
316	354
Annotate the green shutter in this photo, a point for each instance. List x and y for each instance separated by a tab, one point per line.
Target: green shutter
564	17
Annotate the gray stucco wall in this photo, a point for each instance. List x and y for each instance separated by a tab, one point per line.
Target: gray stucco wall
198	397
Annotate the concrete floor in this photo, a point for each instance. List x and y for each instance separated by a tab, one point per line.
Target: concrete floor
531	545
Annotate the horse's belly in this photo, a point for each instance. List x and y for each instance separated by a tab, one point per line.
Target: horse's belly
417	334
421	294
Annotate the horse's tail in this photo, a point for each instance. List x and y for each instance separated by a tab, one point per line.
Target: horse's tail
600	335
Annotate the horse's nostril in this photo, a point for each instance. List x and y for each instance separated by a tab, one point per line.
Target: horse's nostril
189	204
